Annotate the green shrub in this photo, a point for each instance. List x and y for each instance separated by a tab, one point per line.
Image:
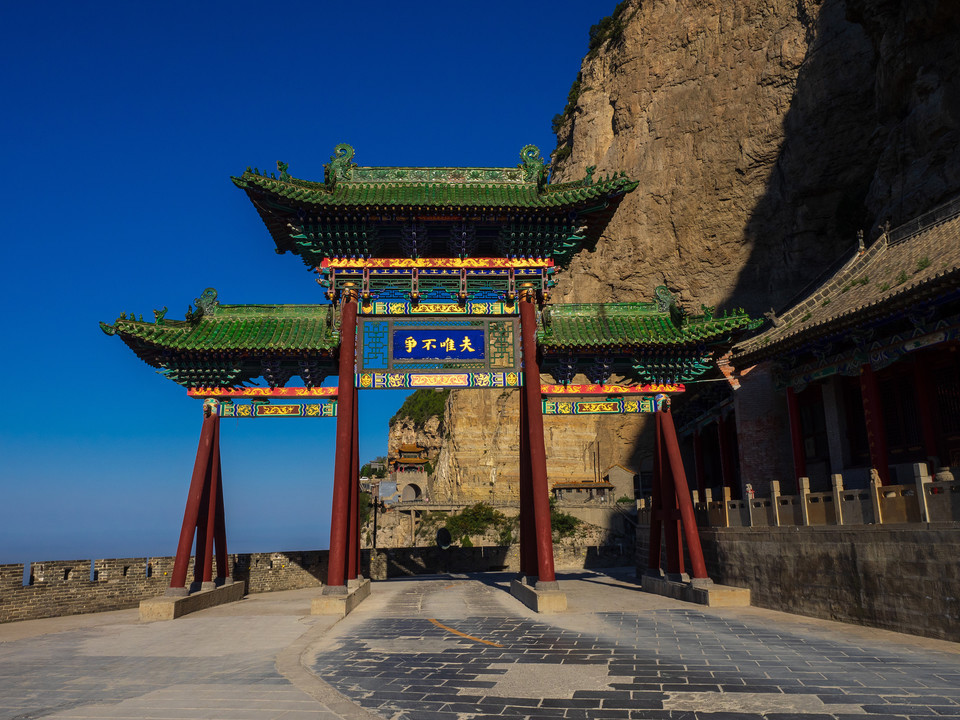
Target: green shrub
422	405
563	524
626	499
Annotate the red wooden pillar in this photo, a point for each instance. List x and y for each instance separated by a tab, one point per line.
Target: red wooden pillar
528	550
726	457
356	465
656	502
340	510
220	528
796	438
682	494
191	514
925	404
698	466
671	517
873	415
538	457
353	540
205	559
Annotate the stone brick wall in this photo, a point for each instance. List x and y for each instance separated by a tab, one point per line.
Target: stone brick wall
70	587
898	577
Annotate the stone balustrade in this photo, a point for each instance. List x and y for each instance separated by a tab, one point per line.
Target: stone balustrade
925	500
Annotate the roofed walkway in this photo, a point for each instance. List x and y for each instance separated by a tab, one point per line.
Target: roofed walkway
461	647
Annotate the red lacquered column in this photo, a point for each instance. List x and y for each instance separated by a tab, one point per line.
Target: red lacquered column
339	520
538	456
353	554
873	414
656	503
201	469
796	438
212	489
691	535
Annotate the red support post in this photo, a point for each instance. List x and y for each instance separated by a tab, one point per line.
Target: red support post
207	560
726	457
339	520
873	415
682	494
220	530
538	457
796	438
656	503
668	493
528	549
925	404
200	548
201	469
698	466
353	547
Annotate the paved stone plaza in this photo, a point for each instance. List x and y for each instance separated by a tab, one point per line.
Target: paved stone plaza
460	647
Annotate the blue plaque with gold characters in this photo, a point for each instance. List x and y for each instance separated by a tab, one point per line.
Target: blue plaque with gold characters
452	343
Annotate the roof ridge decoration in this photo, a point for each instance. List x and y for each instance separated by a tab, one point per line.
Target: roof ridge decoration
340	165
206	304
532	165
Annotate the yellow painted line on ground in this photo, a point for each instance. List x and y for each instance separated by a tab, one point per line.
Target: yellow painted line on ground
468	637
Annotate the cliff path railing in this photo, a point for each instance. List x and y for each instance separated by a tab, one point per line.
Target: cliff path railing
923	501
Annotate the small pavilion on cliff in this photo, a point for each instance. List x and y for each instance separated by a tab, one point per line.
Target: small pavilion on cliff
433	277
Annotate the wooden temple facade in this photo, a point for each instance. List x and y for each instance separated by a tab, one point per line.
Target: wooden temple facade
860	378
433	277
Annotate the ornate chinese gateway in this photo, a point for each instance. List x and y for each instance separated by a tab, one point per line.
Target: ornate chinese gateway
433	277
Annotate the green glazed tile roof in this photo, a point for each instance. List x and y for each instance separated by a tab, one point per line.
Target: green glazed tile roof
434	194
899	272
254	328
607	325
347	184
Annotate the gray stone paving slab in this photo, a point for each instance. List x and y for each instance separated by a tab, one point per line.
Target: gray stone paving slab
461	648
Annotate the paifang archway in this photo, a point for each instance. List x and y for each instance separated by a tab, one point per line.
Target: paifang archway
435	277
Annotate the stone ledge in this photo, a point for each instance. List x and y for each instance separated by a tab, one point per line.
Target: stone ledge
341	605
541	601
166	607
709	594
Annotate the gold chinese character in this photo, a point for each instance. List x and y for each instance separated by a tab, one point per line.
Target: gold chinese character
466	346
410	343
429	344
449	345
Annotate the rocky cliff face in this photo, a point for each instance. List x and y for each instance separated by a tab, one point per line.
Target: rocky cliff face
405	432
765	133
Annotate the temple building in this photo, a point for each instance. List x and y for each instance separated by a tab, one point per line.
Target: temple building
861	375
408	469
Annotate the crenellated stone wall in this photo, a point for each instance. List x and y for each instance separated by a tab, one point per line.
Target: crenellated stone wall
67	587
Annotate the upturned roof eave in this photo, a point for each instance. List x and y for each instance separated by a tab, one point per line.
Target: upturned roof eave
851	317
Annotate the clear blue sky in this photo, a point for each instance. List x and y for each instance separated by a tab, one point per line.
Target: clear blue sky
120	127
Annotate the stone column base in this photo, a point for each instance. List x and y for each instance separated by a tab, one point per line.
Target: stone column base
341	605
542	601
174	605
699	591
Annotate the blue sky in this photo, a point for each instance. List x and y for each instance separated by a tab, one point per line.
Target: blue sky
120	126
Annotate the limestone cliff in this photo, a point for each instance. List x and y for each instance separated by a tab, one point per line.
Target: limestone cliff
479	460
765	134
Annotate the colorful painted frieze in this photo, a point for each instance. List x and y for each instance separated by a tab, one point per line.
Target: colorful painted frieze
251	410
608	406
413	380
